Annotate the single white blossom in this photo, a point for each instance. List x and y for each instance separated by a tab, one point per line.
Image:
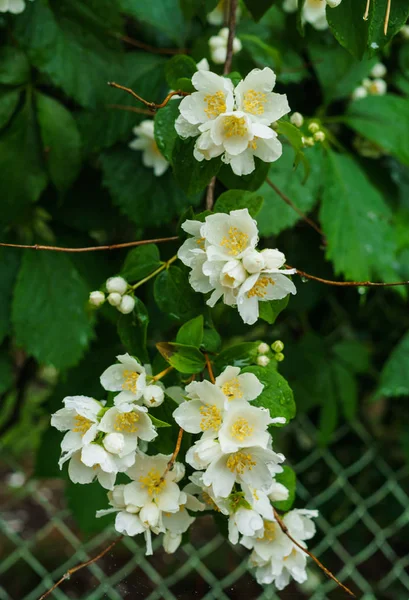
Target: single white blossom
127	424
204	412
238	386
229	236
245	425
128	378
244	521
214	96
218	46
255	97
145	141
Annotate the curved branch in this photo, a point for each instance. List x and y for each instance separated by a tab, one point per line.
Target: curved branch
348	283
153	106
90	248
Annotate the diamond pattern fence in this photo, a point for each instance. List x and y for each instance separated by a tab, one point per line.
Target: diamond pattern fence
360	489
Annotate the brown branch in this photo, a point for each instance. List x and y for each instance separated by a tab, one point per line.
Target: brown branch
151	105
139	111
387	16
176	451
90	248
294	207
210	193
348	283
328	573
230	39
209	368
147	47
70	572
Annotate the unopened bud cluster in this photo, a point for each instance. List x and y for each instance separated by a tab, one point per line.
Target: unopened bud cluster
116	288
374	85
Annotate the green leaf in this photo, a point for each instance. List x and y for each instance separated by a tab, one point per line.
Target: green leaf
289	480
291	133
49	317
383	120
262	53
174	295
237	199
348	26
277	395
157	422
355	220
165	15
399	13
14	66
140	262
240	355
132	330
165	132
133	187
48	455
9	264
353	354
83	502
211	340
190	174
276	215
8	103
257	8
179	67
250	182
61	140
269	311
21	164
186	359
394	379
191	333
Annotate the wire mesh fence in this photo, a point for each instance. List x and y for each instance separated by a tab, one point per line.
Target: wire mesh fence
361	491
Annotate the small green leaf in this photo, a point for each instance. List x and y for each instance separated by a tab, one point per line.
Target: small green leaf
269	311
190	174
237	199
165	132
191	333
262	53
211	340
291	133
277	395
157	422
175	296
132	330
288	479
186	359
257	8
14	66
240	355
140	262
178	67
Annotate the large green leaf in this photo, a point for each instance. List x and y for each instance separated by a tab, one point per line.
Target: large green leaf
269	311
61	140
395	374
237	199
383	120
174	295
191	175
186	359
191	333
165	132
141	261
49	316
355	220
14	66
277	395
165	15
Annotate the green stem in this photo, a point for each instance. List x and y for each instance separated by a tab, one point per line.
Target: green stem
164	266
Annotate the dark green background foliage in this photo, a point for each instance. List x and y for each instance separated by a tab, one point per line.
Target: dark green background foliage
68	178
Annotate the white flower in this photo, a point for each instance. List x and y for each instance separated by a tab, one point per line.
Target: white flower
145	141
236	386
203	65
127	426
377	87
12	6
379	70
267	150
297	119
203	452
114	299
80	419
214	97
116	284
244	425
230	235
127	305
193	255
204	413
263	361
128	378
178	523
97	298
253	262
359	92
254	96
313	11
253	466
78	472
153	396
244	521
218	46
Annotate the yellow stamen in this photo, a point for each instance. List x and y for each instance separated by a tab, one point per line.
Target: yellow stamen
210	502
152	482
216	104
253	144
259	289
130	381
232	389
201	242
239	462
211	418
126	422
82	424
270	531
241	429
253	102
235	242
234	126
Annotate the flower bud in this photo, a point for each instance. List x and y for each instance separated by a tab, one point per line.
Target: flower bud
114	443
171	542
149	514
308	141
378	87
297	119
333	3
405	32
279	357
96	298
178	471
114	299
313	127
117	284
263	360
263	348
359	92
127	305
153	396
378	70
273	258
278	346
233	274
253	262
116	496
319	136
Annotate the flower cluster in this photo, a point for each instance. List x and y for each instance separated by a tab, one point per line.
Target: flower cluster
223	260
118	295
374	85
218	46
102	440
235	470
313	11
233	122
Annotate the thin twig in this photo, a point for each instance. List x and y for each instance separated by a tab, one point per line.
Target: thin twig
173	458
147	47
70	572
294	207
230	39
348	283
151	105
163	266
139	111
387	15
210	193
366	14
90	248
328	573
209	368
